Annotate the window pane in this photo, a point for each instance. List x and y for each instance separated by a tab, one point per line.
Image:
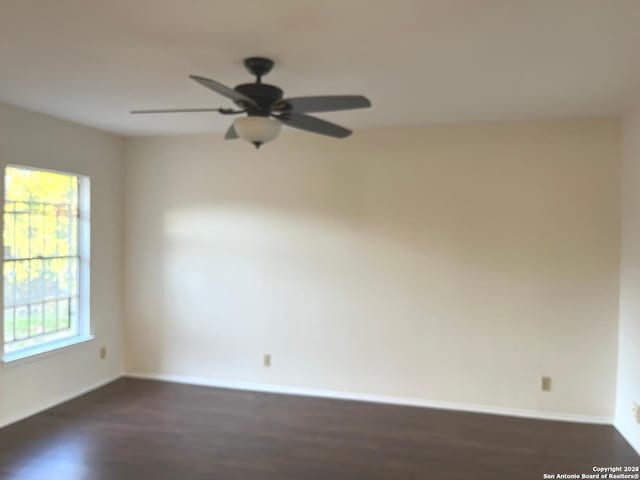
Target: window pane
36	281
21	279
8	324
73	236
22	322
64	319
36	320
9	283
50	317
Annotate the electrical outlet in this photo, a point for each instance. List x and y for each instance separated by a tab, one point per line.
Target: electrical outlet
636	412
103	353
266	361
546	384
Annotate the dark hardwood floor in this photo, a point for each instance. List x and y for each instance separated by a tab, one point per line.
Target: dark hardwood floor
137	429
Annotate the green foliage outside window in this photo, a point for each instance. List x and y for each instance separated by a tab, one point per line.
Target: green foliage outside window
40	237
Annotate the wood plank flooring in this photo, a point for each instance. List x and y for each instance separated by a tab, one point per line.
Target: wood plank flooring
138	429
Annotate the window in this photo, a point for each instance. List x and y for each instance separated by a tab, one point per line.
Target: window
46	259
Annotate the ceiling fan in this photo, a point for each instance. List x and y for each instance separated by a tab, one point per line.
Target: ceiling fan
267	110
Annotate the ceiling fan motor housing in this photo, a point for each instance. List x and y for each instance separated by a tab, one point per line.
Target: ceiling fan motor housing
263	94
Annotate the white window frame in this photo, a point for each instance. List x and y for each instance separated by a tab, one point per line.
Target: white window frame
85	328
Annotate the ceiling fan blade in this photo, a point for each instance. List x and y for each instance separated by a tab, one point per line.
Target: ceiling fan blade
231	133
223	90
329	103
178	110
313	124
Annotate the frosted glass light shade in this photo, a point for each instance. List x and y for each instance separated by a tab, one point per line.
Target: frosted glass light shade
257	130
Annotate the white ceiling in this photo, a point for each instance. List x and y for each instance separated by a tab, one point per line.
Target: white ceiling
419	61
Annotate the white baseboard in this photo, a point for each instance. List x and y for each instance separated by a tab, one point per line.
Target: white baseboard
406	401
4	422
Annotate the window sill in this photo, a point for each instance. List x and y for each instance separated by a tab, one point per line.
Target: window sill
44	350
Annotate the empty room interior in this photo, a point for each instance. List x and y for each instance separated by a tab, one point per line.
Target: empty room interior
338	239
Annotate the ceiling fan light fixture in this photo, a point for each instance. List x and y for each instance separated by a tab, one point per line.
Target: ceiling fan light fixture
257	129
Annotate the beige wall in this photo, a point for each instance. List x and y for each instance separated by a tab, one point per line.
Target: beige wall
454	264
629	344
28	138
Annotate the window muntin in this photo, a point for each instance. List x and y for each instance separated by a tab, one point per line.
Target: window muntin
43	259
